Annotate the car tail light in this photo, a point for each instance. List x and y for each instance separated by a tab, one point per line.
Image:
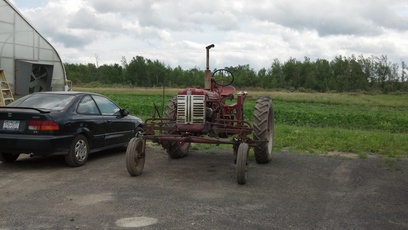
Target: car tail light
42	125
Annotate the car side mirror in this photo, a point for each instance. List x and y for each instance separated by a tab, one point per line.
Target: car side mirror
124	112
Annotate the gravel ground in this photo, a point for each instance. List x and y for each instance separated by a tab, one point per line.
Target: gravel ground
200	192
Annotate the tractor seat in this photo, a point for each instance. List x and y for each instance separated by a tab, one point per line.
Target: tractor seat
227	90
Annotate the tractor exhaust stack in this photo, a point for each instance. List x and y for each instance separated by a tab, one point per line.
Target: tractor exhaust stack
207	85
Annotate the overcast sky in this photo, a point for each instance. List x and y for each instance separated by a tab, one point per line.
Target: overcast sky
253	32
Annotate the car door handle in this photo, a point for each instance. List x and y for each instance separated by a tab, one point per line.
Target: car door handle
108	121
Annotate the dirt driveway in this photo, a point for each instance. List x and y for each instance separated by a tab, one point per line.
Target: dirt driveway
200	192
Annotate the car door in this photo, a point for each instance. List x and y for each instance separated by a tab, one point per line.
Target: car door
118	127
91	119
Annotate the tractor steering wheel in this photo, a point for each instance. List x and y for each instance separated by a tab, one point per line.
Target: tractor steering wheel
223	77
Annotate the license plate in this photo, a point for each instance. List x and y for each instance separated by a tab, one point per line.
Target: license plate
11	125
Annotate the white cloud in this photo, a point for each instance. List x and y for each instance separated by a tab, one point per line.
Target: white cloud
243	31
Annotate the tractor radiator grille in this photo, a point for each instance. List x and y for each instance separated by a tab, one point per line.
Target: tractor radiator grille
190	109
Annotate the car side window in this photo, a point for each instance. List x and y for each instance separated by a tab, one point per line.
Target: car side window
87	106
106	106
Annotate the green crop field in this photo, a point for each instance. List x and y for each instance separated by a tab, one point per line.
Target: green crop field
311	123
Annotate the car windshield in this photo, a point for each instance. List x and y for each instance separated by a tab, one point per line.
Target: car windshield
44	101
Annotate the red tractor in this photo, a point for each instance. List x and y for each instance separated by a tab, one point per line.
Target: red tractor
197	115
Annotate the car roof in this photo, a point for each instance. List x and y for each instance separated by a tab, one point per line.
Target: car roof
75	93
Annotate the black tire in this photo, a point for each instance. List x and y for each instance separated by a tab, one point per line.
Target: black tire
78	152
8	157
139	131
135	156
263	125
176	150
235	151
242	163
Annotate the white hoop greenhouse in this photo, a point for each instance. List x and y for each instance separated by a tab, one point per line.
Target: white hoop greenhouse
30	62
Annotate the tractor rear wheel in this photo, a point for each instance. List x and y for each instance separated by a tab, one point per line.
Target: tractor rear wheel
263	125
135	156
176	149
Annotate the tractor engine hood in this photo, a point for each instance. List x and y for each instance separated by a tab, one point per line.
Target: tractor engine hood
210	95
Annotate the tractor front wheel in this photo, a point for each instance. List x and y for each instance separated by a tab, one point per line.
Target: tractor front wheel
178	150
175	150
263	126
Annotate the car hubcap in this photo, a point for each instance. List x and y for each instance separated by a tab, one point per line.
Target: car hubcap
80	150
139	134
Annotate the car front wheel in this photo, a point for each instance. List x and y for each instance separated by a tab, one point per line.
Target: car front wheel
139	131
78	151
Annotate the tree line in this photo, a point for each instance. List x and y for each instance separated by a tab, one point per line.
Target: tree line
342	74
